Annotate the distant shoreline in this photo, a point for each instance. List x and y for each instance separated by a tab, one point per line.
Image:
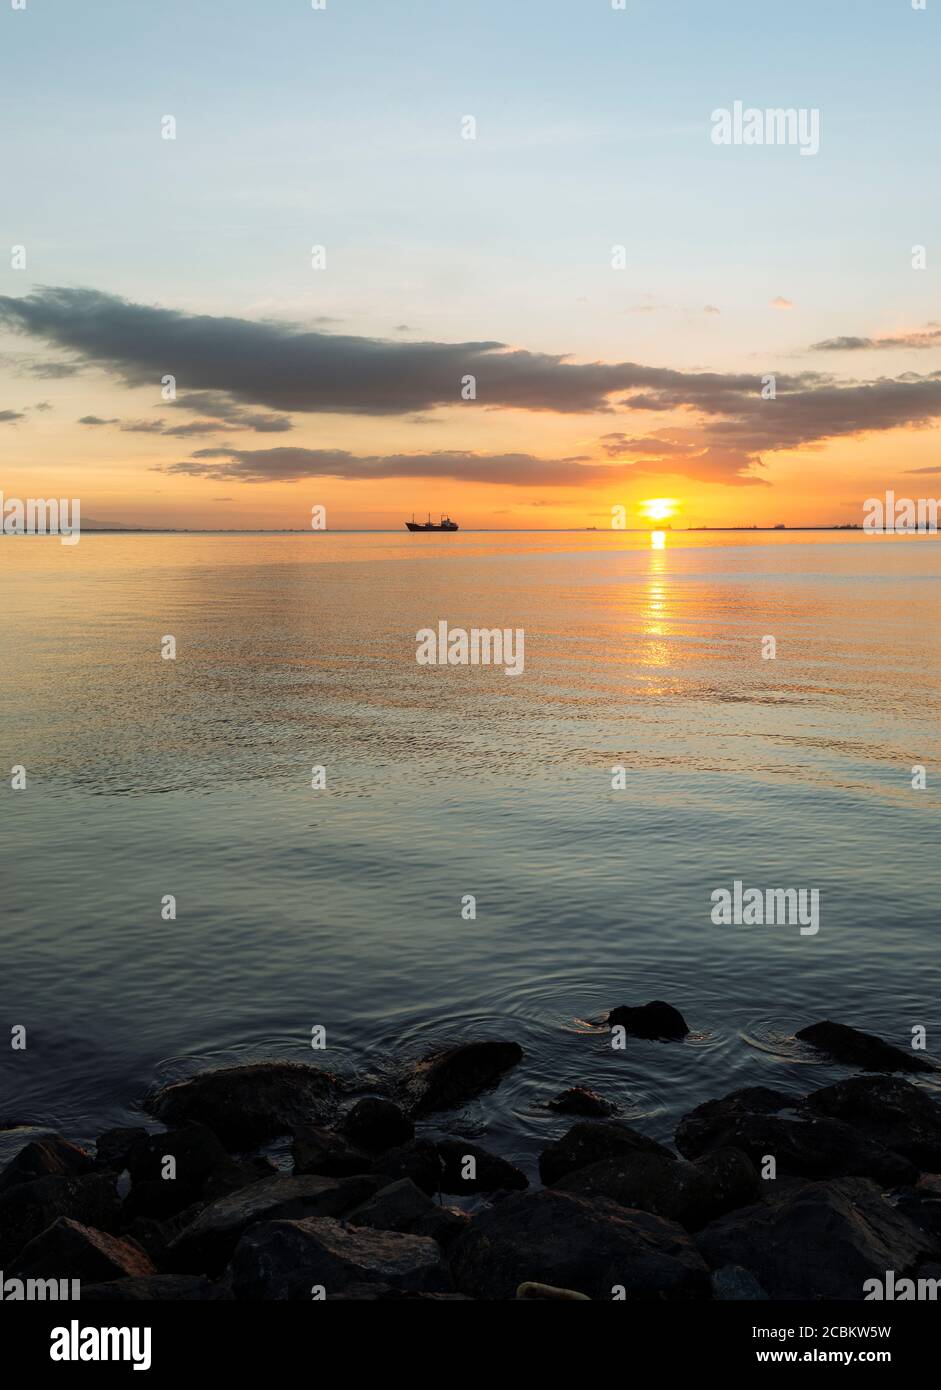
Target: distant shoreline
478	531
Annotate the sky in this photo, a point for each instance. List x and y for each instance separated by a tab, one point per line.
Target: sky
618	285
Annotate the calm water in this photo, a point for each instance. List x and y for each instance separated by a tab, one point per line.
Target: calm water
342	907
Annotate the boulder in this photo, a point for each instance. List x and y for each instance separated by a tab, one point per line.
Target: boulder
286	1259
377	1124
656	1020
690	1194
204	1246
26	1209
591	1247
156	1288
318	1150
732	1284
404	1207
491	1173
449	1078
114	1148
816	1240
861	1049
887	1111
577	1100
49	1157
248	1105
203	1171
418	1161
761	1122
69	1250
591	1141
548	1293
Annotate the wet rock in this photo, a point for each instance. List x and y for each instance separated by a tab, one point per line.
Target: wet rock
378	1124
813	1240
418	1161
449	1078
655	1020
922	1208
204	1171
690	1194
549	1293
404	1207
593	1247
205	1245
317	1150
762	1122
887	1111
156	1288
285	1259
578	1100
114	1148
490	1172
69	1250
28	1208
861	1049
51	1156
591	1142
248	1105
732	1284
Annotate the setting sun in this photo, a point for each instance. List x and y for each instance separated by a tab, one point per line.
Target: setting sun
658	508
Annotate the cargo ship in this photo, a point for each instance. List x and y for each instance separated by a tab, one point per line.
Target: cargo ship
443	524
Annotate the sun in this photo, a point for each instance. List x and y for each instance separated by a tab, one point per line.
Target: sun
658	508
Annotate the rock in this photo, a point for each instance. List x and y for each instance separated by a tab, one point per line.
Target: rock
690	1194
580	1101
69	1250
378	1124
888	1111
593	1247
376	1292
590	1142
816	1240
404	1207
922	1208
248	1105
418	1161
317	1150
732	1284
205	1245
28	1208
286	1259
203	1171
655	1020
491	1173
114	1148
761	1122
549	1293
51	1156
156	1288
861	1049
449	1078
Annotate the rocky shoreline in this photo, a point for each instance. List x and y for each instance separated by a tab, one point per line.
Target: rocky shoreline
769	1196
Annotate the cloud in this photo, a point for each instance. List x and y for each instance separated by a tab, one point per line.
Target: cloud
11	417
53	371
779	302
96	420
921	338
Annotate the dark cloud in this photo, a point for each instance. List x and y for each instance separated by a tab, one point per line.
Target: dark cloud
922	338
42	405
10	417
96	420
142	426
54	371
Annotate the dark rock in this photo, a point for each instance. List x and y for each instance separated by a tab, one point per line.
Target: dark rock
690	1194
51	1156
404	1207
861	1049
761	1122
577	1100
69	1250
590	1142
204	1246
378	1124
549	1293
114	1148
593	1247
812	1240
375	1293
204	1172
156	1288
317	1150
732	1284
28	1208
492	1173
655	1020
449	1078
286	1259
418	1161
923	1209
247	1105
887	1111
